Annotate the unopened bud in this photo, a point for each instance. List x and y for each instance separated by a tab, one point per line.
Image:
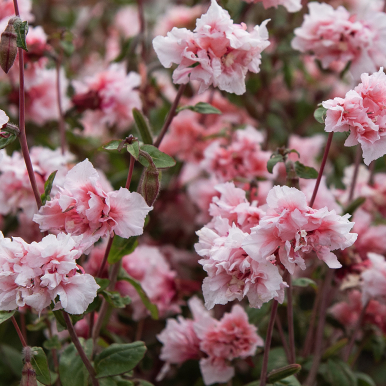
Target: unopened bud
28	375
8	45
150	186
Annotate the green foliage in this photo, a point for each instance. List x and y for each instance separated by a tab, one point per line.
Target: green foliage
133	149
202	108
320	114
283	372
364	380
48	187
121	247
160	159
4	142
112	145
338	373
305	171
354	205
118	359
115	299
40	365
21	28
143	127
335	348
304	282
52	343
5	315
275	158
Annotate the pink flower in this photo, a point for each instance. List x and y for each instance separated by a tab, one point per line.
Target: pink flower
35	274
15	187
296	229
25	7
3	118
109	97
242	158
147	265
333	35
291	5
221	51
308	147
127	21
83	207
362	112
374	279
232	274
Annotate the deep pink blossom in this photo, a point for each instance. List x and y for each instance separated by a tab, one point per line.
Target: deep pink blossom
291	5
221	51
294	229
83	207
36	274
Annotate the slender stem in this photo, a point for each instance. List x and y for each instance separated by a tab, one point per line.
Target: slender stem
62	128
139	331
372	172
283	338
22	136
106	255
142	25
324	160
290	315
267	346
170	116
320	329
21	337
358	157
79	348
355	333
130	174
364	342
384	6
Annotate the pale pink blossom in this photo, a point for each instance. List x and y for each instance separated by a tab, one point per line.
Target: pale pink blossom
333	35
3	118
127	21
293	229
148	266
374	279
83	207
7	10
232	274
291	5
362	112
308	147
109	97
222	52
15	186
36	274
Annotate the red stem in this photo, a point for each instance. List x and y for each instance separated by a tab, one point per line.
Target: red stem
325	155
358	157
62	128
290	315
282	337
21	337
267	346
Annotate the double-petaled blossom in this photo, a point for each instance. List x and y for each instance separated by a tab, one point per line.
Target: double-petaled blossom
374	279
83	207
149	266
294	229
336	37
36	274
291	5
362	112
218	52
216	342
108	97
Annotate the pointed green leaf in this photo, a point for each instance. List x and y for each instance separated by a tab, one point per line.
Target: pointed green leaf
335	348
48	187
201	108
118	359
320	114
283	372
305	171
5	315
21	28
123	275
112	145
304	282
40	365
122	247
103	284
276	158
160	159
115	299
351	208
364	380
52	343
143	127
133	149
4	142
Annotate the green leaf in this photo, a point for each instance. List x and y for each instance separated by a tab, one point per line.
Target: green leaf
123	275
202	108
141	382
335	348
378	346
40	365
305	171
320	114
103	284
52	343
290	381
115	299
37	325
275	158
142	127
12	358
4	142
304	282
364	380
21	28
283	372
351	208
118	359
112	145
72	371
133	149
160	159
122	247
48	187
68	47
5	315
339	374
60	322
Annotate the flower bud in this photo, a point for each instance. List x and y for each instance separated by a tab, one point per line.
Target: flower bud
8	45
150	186
28	374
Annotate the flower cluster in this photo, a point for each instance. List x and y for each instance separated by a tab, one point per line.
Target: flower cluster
218	52
216	342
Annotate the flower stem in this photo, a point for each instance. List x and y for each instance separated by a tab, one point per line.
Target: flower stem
267	346
19	333
282	337
79	348
358	157
324	160
22	136
170	116
62	128
290	315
